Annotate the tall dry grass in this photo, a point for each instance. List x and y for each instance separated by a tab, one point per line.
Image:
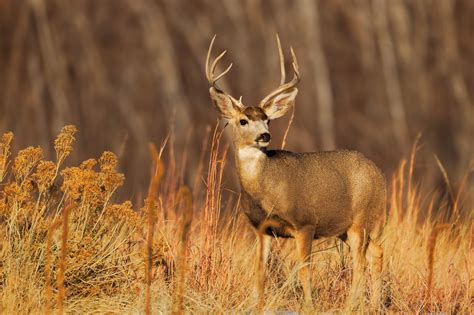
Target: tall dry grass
192	256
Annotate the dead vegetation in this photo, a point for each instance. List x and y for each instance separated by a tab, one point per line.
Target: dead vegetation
65	243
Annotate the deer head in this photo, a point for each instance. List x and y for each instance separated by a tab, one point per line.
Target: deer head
250	123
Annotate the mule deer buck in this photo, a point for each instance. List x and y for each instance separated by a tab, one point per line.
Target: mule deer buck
304	196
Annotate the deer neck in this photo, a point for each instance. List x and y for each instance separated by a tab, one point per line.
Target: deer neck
250	162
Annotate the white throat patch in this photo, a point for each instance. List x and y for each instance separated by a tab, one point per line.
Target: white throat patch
249	159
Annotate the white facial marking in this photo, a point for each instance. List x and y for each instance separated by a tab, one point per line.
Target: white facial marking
249	132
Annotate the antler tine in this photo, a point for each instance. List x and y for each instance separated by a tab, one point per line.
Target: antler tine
296	71
210	68
284	86
209	57
295	64
222	74
282	60
214	65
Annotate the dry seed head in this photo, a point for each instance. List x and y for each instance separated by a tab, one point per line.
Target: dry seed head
19	194
64	141
44	175
26	191
6	139
82	183
72	182
11	189
110	178
88	164
123	213
111	181
25	161
108	161
86	184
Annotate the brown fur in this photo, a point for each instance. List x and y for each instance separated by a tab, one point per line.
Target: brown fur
330	191
255	113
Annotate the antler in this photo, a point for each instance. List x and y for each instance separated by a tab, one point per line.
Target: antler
284	86
210	68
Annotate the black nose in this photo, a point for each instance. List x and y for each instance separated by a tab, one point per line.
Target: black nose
264	137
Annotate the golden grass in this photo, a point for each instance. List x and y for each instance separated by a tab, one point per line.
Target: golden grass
181	254
151	199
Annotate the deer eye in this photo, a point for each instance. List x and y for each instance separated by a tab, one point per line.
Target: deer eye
243	122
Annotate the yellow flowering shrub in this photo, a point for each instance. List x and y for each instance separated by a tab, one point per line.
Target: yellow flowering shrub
35	196
44	175
110	179
63	143
25	161
123	213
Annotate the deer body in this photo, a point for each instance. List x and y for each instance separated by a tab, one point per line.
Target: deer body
303	195
328	190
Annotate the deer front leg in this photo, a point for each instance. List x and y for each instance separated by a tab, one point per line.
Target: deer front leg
304	240
264	248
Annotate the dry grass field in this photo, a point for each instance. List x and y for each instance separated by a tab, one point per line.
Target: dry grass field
118	187
67	246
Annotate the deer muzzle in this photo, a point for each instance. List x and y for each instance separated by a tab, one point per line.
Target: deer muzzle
264	137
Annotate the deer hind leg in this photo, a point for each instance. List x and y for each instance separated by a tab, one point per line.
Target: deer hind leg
304	239
264	248
375	257
357	241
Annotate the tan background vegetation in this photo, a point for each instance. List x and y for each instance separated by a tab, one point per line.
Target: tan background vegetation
126	72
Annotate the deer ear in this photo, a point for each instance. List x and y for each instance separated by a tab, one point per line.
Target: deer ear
280	104
227	106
